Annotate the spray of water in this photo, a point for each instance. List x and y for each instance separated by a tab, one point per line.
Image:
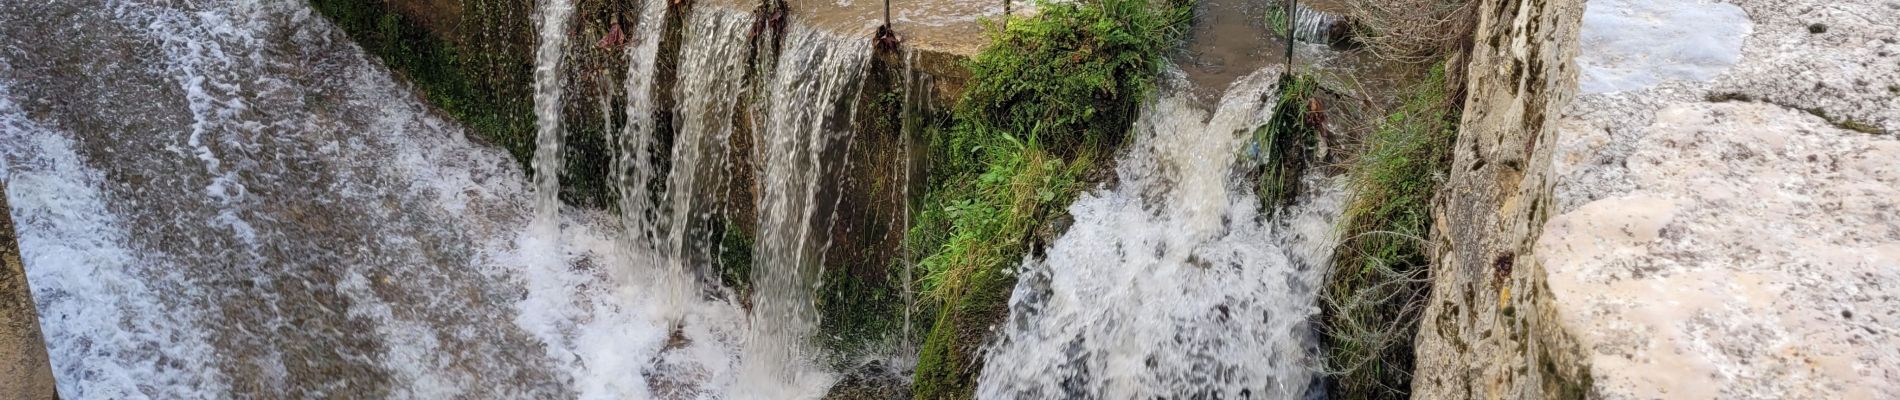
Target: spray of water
1173	283
810	107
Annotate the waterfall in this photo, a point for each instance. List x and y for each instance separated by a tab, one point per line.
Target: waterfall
1173	282
710	86
1314	26
550	83
633	168
233	200
811	105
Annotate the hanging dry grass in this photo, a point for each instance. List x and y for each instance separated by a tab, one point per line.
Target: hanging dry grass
1413	31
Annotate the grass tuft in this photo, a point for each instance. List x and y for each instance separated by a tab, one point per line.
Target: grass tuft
1287	141
1050	94
1376	293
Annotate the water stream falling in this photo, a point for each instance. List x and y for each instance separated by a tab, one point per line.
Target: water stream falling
550	84
711	85
811	105
1314	26
638	144
1172	282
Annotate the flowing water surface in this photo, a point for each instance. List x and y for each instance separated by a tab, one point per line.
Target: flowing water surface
226	198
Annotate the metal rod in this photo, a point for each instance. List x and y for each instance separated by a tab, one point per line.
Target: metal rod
1292	29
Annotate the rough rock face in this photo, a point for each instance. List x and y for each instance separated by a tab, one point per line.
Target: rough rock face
1754	257
24	369
1722	206
1737	234
1489	329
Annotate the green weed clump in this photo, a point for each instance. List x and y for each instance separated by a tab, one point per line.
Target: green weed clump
1376	294
1068	73
1287	140
1049	95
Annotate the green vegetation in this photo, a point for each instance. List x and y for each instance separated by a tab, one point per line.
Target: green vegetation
492	105
1050	95
1286	141
1278	21
1376	294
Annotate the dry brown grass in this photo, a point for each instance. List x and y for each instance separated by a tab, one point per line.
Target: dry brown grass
1413	31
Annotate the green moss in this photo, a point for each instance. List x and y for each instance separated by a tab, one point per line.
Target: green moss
481	78
1067	73
494	108
1375	295
1047	96
735	260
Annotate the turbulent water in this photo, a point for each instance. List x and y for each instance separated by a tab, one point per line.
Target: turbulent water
1172	282
228	199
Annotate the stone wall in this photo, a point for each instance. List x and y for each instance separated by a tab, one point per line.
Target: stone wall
1716	215
1489	330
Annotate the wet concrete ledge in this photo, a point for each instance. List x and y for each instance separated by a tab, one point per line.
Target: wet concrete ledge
25	372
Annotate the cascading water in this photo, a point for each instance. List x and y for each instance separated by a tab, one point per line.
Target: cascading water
1173	282
227	198
712	65
1314	26
231	200
634	160
550	83
811	106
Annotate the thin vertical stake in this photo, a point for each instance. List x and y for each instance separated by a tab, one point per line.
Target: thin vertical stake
1292	29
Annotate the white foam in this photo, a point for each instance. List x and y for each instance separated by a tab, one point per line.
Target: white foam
108	330
1173	283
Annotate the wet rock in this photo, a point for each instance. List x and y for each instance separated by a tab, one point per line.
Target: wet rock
1706	232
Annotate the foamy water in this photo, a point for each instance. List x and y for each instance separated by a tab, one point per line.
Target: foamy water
1173	283
267	213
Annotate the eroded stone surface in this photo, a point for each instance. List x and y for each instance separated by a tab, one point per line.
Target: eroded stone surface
1489	330
1755	258
1739	236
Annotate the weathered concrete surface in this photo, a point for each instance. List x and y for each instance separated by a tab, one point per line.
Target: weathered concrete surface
25	372
938	34
1737	234
1489	330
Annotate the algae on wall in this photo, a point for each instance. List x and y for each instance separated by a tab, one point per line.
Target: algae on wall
472	60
